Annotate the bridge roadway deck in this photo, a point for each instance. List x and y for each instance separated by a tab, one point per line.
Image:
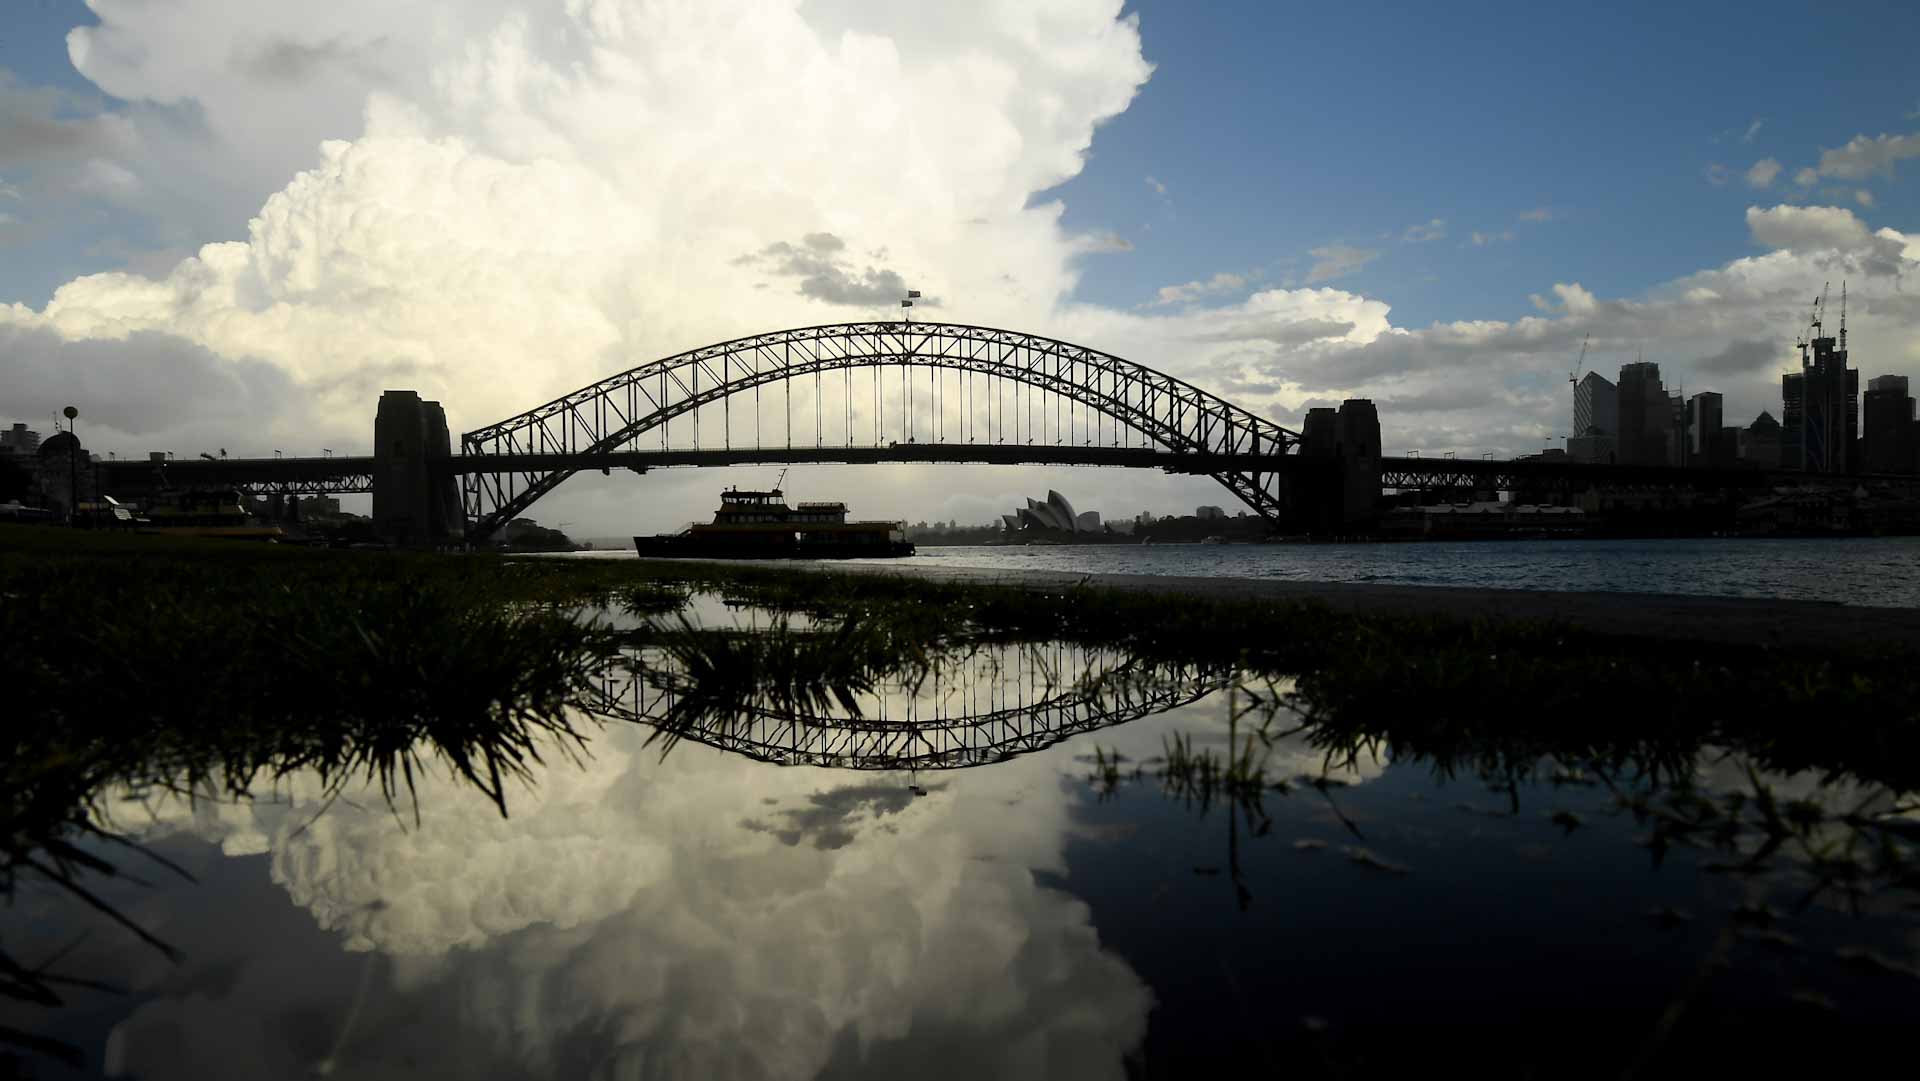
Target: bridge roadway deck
354	473
1751	621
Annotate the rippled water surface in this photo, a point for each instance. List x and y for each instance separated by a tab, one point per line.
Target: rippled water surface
1875	571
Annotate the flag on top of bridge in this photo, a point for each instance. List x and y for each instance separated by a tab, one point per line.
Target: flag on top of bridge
913	294
906	304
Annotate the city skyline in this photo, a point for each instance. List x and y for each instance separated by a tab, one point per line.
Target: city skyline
498	243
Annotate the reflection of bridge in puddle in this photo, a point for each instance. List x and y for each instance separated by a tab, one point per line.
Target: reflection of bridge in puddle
988	704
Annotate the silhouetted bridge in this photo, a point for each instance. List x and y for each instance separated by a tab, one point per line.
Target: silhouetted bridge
881	392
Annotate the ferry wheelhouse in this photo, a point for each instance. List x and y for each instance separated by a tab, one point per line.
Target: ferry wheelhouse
760	525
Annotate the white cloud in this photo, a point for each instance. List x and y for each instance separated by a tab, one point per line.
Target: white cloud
1435	229
1157	186
1806	178
1863	157
1717	174
1482	239
1338	261
707	916
1762	173
1808	228
1753	129
1537	215
1223	282
1864	198
1102	243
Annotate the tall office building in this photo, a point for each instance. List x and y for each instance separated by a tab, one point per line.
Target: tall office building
1887	439
1820	405
1703	429
1596	419
1646	415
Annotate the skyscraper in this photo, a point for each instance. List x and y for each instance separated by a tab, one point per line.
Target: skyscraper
1596	419
1703	428
1887	441
1820	417
1646	415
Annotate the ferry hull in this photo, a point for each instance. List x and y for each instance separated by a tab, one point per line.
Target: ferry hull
683	545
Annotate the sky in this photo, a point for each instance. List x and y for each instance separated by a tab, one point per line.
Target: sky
229	224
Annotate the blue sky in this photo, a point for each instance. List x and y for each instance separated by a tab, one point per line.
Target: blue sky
1280	128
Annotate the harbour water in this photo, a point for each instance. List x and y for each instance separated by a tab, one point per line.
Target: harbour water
1883	571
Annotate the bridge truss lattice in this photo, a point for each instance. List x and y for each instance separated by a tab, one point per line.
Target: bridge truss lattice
979	384
1112	690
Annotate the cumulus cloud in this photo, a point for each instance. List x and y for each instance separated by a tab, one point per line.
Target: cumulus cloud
37	127
1187	292
1482	239
823	273
635	915
1158	187
1420	234
142	384
1537	215
1741	356
1762	172
1863	157
1103	243
1808	228
1338	261
1717	174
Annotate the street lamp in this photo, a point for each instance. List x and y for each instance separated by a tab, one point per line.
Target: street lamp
73	467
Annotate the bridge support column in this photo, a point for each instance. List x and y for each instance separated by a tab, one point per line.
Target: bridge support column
415	500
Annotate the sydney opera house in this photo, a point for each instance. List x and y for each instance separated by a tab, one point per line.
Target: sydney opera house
1055	514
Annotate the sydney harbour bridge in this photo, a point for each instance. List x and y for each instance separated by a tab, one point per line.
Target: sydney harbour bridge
995	702
900	392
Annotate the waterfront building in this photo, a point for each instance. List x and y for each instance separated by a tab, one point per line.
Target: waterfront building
1887	439
64	473
1211	513
1596	419
1703	428
1646	415
1055	514
1759	442
19	440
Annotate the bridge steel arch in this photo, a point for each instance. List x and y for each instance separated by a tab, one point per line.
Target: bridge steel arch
615	411
1132	690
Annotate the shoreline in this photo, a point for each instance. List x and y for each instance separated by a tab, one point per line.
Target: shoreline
1664	616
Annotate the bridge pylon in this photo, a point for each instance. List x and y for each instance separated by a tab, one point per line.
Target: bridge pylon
416	500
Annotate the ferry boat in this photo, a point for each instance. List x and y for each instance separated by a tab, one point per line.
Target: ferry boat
760	525
215	513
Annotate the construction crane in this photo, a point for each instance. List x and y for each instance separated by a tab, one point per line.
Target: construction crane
1573	377
1814	323
780	484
